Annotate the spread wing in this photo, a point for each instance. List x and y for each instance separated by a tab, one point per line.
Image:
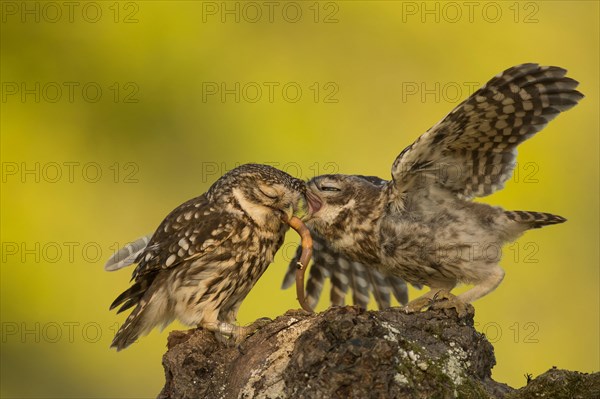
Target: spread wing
345	275
471	152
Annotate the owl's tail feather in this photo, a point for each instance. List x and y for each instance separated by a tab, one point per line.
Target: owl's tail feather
132	329
153	308
535	220
131	296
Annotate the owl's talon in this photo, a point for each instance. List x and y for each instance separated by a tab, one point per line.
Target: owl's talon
446	300
259	323
223	339
242	333
239	339
441	295
417	305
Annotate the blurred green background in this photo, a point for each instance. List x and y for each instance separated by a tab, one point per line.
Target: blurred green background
114	113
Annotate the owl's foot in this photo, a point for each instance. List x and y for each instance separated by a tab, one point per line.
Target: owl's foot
256	325
418	304
446	300
222	330
241	333
223	339
441	299
238	339
232	335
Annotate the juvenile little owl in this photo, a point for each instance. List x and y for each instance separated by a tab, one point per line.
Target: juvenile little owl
422	226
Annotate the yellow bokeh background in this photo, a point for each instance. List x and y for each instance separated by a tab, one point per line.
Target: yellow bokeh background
86	171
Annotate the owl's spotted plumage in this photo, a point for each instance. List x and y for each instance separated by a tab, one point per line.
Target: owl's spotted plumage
345	275
208	253
420	225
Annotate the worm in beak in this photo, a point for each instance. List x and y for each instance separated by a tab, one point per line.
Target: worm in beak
307	249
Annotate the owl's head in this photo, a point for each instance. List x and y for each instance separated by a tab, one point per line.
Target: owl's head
335	201
262	191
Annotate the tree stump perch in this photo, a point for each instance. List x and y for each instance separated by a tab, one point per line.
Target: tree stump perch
348	352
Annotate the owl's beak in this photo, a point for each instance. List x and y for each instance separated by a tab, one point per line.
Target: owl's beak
313	201
287	213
